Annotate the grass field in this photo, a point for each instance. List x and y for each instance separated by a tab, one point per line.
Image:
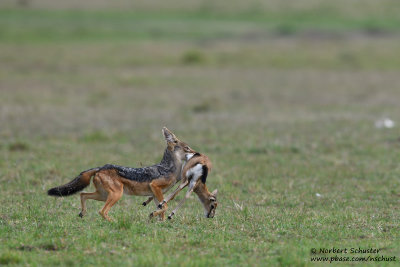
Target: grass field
283	97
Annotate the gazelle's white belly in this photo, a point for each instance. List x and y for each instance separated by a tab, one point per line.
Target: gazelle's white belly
195	173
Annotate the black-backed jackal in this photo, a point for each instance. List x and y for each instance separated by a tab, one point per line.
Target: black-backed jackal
112	181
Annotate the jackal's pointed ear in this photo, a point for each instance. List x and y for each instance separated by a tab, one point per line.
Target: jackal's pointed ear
215	192
168	135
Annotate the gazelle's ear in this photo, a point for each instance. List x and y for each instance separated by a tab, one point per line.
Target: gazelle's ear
215	192
168	135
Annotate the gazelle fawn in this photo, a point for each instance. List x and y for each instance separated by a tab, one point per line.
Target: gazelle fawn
194	176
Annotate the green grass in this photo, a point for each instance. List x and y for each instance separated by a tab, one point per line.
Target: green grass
283	101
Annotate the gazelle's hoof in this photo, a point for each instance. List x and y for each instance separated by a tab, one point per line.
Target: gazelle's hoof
161	204
144	203
80	214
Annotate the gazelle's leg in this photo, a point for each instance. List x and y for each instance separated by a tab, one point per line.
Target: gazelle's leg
191	187
147	201
173	194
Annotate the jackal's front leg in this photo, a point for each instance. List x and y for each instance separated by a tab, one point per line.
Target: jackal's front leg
157	192
159	212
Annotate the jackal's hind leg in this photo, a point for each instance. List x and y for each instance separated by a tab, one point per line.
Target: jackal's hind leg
95	195
114	189
100	194
112	198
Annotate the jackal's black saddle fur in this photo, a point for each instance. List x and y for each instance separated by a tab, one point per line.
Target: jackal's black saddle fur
164	168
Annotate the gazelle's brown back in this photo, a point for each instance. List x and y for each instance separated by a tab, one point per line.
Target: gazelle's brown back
198	158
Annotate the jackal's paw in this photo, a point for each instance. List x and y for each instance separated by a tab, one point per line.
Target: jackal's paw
109	219
151	215
105	216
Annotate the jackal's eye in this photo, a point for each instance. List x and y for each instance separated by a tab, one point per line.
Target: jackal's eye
212	199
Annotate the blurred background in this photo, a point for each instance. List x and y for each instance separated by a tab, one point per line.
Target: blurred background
245	77
70	68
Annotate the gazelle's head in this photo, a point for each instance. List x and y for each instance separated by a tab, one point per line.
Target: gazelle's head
209	200
212	204
179	148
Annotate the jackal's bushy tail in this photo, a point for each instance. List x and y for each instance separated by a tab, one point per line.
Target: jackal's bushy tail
76	185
